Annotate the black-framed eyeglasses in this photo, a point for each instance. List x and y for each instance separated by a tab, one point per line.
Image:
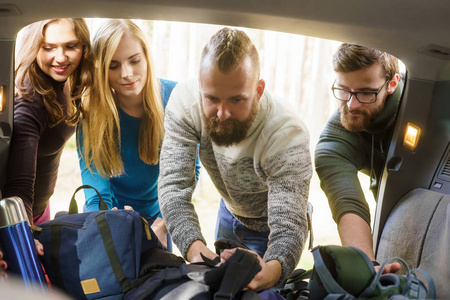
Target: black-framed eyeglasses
363	97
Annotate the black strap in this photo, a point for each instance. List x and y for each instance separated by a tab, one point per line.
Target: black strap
230	282
113	257
73	207
298	280
236	273
146	289
55	244
222	244
211	262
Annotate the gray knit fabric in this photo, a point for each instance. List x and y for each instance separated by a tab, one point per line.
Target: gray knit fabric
264	180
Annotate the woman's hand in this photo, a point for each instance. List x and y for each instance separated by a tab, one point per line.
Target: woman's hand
126	207
3	266
160	229
39	247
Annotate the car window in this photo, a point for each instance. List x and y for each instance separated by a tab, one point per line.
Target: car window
295	67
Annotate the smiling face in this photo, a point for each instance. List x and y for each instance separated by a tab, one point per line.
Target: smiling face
128	71
61	50
229	101
357	116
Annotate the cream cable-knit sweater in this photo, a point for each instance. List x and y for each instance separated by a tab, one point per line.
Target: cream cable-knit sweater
264	180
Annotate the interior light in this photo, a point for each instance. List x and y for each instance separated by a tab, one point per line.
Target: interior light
2	97
411	137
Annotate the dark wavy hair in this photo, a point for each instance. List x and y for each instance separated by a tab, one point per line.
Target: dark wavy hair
30	79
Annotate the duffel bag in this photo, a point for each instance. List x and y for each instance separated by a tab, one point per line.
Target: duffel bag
95	255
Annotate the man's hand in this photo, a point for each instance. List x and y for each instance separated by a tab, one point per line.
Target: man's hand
160	229
194	250
389	268
266	278
354	231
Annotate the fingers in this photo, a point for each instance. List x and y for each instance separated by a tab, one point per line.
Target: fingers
226	254
257	283
395	267
39	247
3	265
126	207
392	268
268	276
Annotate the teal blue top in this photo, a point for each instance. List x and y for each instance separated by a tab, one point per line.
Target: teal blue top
138	185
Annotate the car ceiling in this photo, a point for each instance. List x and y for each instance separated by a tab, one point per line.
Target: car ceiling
402	27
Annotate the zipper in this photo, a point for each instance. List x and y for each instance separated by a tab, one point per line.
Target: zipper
63	224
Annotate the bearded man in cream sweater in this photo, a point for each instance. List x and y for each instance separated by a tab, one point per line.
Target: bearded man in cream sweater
255	150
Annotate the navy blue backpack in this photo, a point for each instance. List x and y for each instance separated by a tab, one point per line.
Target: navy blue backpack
95	255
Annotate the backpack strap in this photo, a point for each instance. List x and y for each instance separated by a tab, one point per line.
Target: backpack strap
55	245
222	244
431	287
113	257
329	283
241	267
369	290
297	280
73	207
152	284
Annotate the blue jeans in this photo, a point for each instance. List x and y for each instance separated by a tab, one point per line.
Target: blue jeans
228	227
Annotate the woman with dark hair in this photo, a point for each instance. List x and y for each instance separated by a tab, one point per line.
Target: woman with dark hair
53	71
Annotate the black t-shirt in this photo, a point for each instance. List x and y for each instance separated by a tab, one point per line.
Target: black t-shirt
35	151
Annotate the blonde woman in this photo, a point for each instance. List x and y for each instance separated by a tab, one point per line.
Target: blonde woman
53	70
121	133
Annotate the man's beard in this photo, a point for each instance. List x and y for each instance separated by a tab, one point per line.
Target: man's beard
234	132
358	124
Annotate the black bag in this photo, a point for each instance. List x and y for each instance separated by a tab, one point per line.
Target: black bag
209	280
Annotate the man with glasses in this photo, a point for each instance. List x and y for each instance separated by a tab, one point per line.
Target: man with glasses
356	138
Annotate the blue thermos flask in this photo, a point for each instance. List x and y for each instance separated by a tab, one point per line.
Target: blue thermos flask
17	244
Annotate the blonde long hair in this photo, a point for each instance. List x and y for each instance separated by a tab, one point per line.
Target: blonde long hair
101	123
31	79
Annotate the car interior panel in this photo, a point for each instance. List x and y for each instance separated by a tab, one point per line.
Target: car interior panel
414	31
